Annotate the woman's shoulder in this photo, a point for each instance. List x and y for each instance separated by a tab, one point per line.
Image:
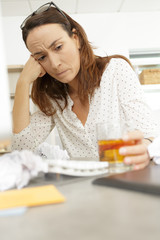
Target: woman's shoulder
118	62
117	70
39	116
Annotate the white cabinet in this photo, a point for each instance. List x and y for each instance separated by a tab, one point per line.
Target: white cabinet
145	59
148	59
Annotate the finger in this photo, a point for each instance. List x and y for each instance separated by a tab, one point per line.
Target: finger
136	159
43	72
133	150
141	165
134	135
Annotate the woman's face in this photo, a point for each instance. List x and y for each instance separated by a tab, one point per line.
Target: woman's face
56	51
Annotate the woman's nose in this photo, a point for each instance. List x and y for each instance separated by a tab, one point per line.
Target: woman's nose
54	61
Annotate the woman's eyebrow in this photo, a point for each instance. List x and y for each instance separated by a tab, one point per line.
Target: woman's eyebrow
51	45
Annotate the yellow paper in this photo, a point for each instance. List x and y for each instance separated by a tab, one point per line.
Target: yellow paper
32	196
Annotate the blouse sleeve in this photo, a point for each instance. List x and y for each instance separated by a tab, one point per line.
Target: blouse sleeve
132	100
35	133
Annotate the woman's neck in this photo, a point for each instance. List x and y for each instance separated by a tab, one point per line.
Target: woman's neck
73	87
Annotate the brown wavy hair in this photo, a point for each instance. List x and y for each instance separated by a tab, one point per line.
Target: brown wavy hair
47	89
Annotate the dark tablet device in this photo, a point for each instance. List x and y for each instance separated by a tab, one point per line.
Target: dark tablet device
146	180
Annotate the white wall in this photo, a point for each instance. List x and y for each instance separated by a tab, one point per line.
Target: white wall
113	32
5	118
16	52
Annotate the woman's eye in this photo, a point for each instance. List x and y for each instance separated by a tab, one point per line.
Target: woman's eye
41	58
58	47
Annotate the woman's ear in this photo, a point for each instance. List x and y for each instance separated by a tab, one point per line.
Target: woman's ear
76	38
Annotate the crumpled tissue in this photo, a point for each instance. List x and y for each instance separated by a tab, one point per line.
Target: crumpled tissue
52	152
17	168
154	150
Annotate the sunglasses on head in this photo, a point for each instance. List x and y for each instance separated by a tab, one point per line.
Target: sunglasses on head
45	7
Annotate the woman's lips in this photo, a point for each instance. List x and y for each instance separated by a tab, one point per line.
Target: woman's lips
61	73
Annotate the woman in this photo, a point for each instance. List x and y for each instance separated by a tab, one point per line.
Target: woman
74	90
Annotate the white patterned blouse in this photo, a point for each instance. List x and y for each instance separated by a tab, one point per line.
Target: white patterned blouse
119	97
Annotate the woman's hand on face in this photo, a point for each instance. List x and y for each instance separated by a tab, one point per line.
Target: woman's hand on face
31	71
137	154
